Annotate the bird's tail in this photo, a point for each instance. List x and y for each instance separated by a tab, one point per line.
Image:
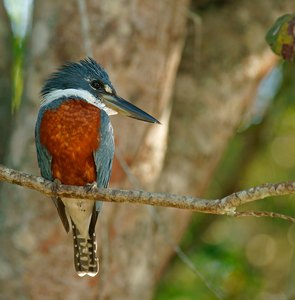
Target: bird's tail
85	259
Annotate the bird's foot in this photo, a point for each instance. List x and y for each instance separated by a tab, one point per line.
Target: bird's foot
89	187
55	185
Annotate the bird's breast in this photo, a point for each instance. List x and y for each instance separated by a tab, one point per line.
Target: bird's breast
71	133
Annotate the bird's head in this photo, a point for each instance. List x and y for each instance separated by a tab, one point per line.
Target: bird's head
87	80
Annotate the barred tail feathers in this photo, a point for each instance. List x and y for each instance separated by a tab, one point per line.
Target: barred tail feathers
85	259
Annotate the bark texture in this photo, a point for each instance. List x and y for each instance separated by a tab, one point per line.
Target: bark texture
223	206
140	44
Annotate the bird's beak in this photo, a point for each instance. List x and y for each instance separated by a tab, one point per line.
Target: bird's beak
125	108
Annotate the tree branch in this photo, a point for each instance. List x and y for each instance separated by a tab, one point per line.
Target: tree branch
226	205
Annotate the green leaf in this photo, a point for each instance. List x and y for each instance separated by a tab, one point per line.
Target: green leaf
281	37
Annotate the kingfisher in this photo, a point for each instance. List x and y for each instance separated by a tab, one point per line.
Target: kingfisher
75	145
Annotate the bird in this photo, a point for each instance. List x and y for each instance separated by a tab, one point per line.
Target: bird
75	145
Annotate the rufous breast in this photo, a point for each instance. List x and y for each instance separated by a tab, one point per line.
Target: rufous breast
71	134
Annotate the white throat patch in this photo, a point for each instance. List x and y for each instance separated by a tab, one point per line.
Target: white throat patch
73	93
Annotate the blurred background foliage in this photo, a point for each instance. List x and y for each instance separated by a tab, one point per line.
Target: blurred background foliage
242	258
20	12
246	257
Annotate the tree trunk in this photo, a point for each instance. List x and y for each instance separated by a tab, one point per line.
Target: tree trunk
140	44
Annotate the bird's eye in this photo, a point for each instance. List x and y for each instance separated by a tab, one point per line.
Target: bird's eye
96	84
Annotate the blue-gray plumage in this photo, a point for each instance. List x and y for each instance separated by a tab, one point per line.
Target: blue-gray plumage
103	157
75	144
77	75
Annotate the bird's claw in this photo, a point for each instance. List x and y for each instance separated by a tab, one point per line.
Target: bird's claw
55	185
90	186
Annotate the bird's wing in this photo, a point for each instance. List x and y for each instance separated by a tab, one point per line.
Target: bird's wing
44	162
43	156
103	159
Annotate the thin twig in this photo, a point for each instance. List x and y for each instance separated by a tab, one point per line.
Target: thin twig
85	27
183	257
226	205
166	235
259	214
131	178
